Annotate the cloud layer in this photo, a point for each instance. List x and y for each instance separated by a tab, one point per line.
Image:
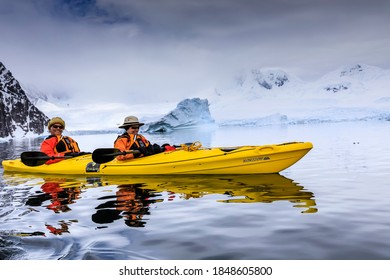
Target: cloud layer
156	50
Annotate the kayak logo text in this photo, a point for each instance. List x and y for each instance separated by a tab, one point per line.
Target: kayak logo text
255	159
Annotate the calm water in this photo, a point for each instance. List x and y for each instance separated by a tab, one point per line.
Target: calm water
333	204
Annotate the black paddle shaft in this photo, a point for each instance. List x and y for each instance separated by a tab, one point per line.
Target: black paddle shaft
35	158
104	155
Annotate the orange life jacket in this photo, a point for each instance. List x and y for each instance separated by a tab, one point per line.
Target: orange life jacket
65	145
133	141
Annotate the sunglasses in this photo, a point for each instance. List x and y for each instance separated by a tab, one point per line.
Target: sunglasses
58	126
134	127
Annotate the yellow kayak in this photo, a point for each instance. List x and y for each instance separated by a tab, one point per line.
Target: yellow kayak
264	159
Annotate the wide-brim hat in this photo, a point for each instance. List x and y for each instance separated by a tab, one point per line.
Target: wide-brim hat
129	121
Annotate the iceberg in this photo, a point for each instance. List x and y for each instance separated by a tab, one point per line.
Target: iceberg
188	113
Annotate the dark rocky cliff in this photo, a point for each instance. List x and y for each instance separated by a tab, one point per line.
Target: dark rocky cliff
18	116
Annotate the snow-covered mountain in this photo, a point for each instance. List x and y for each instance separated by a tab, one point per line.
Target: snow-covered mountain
271	96
256	97
18	116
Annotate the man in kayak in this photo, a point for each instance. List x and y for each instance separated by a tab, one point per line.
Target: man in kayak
57	145
132	140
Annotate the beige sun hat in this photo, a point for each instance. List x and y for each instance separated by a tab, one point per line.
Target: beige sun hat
129	121
56	120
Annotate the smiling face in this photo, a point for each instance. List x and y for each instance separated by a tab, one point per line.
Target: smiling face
56	129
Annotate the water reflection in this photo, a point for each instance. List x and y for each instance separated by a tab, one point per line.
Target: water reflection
52	215
131	198
59	197
131	203
12	148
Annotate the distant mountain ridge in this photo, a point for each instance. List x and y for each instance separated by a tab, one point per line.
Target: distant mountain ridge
254	97
267	80
357	91
18	116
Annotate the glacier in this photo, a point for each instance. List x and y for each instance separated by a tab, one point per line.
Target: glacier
255	97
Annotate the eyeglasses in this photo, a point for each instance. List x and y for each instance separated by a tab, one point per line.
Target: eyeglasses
58	126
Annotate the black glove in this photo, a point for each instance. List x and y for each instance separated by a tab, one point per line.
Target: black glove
157	149
136	153
140	151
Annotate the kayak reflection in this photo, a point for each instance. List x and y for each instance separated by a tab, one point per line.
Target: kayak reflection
132	202
132	198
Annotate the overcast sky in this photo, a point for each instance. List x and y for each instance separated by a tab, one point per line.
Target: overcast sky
157	50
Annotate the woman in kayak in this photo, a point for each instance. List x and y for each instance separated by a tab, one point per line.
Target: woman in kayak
132	140
57	145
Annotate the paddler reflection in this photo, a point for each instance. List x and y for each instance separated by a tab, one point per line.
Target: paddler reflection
59	198
131	203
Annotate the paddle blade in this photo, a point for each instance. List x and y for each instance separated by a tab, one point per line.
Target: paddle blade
34	158
104	155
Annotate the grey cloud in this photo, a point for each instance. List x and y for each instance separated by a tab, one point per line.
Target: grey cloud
183	47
